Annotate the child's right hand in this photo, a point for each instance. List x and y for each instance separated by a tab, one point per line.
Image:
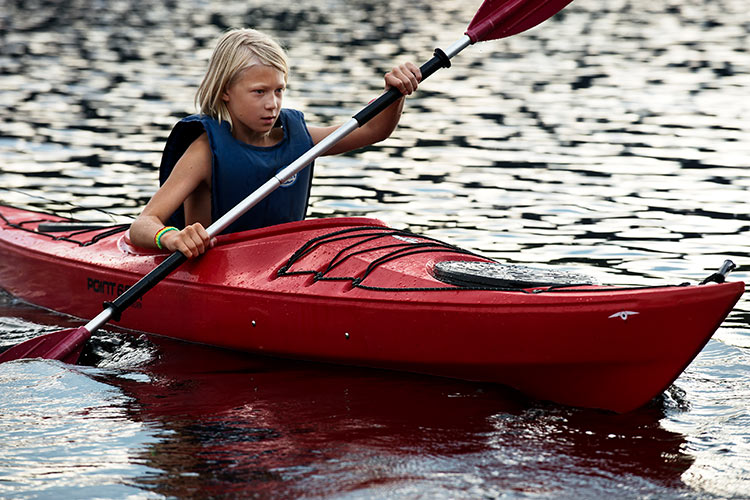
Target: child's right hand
191	241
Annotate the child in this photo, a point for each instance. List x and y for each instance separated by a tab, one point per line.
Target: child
240	139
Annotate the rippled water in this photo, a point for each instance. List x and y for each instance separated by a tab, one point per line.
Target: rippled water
613	139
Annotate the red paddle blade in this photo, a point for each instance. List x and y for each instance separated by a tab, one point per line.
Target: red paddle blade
502	18
65	345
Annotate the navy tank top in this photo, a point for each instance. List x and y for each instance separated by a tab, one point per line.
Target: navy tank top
239	168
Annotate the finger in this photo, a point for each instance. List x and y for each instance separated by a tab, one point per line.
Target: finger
181	242
415	75
400	80
415	70
195	240
391	81
202	233
186	251
409	75
177	244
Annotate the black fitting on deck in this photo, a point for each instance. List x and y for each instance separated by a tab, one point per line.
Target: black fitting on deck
721	275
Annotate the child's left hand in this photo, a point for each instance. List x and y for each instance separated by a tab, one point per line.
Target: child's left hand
405	77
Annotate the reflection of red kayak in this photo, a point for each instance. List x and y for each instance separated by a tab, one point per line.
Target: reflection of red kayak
353	291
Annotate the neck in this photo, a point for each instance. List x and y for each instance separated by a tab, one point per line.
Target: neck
261	139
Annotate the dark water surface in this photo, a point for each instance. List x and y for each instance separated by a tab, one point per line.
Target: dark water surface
613	139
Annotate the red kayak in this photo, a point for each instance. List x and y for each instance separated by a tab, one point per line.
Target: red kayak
353	291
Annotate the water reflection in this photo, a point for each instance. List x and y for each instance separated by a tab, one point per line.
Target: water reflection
64	433
249	425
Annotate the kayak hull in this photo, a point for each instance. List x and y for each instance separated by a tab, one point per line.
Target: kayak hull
588	346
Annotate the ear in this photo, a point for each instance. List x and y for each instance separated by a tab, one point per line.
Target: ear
225	96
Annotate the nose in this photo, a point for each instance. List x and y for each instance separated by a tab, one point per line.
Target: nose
273	101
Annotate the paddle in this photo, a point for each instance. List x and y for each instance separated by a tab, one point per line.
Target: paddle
495	19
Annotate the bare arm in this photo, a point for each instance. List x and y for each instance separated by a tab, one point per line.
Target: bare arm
406	78
189	183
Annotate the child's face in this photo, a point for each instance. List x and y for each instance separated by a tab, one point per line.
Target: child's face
254	99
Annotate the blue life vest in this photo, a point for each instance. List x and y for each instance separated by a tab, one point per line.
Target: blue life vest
238	169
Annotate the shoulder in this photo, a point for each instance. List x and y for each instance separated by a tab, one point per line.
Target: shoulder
213	134
293	122
195	124
292	116
188	144
197	157
201	146
200	118
185	132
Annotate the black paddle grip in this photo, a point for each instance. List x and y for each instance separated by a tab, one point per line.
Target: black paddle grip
439	60
135	292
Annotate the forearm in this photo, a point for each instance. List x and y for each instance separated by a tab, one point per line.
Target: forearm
382	125
404	78
144	229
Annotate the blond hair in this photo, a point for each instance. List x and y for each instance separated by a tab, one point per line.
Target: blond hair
236	50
